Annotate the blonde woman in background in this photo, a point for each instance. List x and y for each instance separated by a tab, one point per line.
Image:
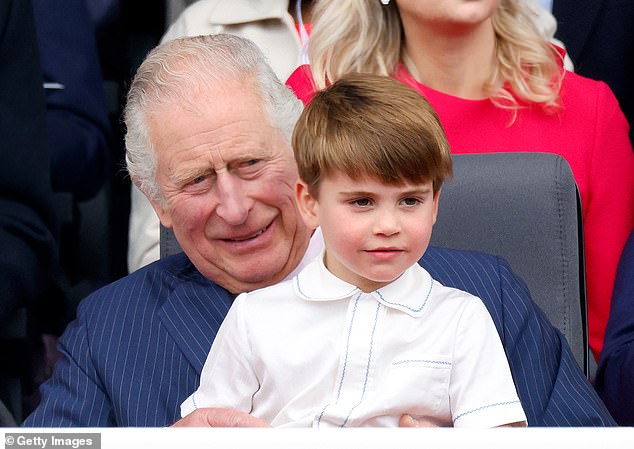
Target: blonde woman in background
497	85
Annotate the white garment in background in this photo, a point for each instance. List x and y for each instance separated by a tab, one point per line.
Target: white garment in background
546	4
547	26
316	351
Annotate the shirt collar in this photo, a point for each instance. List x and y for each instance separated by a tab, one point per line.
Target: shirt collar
409	293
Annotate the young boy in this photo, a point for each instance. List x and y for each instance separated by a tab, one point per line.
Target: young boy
363	334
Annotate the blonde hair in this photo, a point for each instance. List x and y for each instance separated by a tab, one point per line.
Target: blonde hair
364	36
370	125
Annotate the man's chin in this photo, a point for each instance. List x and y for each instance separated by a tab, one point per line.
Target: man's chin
259	275
238	278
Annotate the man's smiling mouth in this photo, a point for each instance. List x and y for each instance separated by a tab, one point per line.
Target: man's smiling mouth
249	237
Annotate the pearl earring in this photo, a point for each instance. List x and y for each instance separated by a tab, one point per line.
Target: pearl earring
385	2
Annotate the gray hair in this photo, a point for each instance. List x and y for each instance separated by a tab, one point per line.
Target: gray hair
174	70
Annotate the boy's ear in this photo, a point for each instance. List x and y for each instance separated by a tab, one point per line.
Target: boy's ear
307	204
436	201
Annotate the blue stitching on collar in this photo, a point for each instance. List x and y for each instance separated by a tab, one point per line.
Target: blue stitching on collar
406	306
299	288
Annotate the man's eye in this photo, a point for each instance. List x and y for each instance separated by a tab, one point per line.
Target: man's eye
199	179
250	163
248	168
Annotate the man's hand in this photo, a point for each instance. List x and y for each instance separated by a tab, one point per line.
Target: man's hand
409	421
219	417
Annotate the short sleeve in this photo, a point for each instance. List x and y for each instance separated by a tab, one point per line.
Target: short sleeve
482	392
227	378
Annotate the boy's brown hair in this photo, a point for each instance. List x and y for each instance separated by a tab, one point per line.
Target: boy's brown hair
370	125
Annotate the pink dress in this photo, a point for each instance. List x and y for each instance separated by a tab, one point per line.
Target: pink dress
589	131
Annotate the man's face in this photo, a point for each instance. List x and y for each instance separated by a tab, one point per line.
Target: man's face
227	178
373	231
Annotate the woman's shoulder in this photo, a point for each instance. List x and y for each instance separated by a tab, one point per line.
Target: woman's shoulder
578	91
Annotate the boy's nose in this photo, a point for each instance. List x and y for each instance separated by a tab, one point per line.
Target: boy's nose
386	223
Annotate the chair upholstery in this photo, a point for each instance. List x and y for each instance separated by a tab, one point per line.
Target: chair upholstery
525	208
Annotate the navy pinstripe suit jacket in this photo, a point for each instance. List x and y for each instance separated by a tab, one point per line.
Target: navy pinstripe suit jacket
137	347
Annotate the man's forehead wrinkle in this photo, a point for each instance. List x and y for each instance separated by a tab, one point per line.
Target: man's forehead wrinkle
215	154
212	139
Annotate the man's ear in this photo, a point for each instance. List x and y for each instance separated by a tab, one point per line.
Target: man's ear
163	214
436	201
307	204
159	207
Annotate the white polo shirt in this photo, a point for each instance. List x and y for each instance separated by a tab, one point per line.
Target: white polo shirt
316	351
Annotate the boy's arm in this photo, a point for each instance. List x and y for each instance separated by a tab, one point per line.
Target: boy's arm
550	384
481	388
228	378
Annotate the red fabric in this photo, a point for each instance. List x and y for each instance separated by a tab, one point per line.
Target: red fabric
590	132
307	26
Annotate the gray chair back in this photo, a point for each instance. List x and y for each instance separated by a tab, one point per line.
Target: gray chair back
525	208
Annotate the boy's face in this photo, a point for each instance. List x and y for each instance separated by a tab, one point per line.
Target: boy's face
373	231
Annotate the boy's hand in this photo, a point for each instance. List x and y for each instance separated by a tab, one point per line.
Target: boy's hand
219	417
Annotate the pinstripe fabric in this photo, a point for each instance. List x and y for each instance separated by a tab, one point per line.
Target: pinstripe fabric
137	348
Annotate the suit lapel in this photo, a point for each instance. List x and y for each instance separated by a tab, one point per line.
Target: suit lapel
192	315
575	20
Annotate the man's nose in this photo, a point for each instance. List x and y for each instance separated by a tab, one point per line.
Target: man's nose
233	202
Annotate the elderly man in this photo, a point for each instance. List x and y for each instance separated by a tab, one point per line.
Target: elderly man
208	143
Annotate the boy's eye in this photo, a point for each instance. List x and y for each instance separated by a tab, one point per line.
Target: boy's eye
410	201
362	202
